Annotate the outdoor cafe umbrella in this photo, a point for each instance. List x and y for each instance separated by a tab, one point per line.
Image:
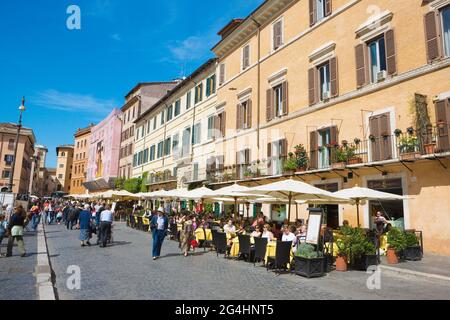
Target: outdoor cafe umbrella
293	190
199	194
359	194
117	194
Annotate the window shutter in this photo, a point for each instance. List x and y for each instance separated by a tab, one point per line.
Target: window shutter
284	90
277	35
269	158
312	85
328	7
386	142
216	127
246	57
313	144
283	148
249	113
312	12
269	108
375	145
247	156
432	36
222	124
390	53
238	117
443	116
334	135
220	163
222	74
334	77
361	78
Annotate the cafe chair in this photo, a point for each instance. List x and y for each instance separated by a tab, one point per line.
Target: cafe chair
214	238
221	244
245	247
140	225
206	243
132	222
282	256
260	250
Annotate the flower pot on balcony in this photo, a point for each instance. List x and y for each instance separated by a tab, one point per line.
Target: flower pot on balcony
355	160
289	172
430	148
338	165
410	156
300	170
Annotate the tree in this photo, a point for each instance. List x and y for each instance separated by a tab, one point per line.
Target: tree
133	185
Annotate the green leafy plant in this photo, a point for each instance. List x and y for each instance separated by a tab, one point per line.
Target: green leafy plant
133	185
307	251
408	144
396	239
345	152
119	183
290	164
301	156
411	239
353	243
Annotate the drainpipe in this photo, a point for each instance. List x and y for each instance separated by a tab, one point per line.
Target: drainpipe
258	92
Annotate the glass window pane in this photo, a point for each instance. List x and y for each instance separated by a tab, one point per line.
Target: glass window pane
373	60
446	31
320	9
382	54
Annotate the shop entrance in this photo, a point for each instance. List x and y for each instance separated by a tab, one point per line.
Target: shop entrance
331	211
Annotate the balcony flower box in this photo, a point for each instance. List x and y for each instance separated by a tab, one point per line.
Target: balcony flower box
355	160
338	165
410	156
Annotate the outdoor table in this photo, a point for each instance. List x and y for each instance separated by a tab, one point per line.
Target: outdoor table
200	235
146	221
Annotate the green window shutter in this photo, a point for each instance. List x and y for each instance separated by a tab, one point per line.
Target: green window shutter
208	87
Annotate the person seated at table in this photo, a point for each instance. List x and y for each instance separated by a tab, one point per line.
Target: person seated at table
267	233
288	235
301	236
241	229
345	223
229	227
257	233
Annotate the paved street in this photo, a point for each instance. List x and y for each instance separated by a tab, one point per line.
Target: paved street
17	280
126	271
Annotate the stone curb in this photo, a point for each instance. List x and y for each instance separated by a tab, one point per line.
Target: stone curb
415	273
43	268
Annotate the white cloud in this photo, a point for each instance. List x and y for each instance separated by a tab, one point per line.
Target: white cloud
192	48
72	102
116	37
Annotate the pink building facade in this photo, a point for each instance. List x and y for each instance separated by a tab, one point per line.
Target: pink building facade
104	152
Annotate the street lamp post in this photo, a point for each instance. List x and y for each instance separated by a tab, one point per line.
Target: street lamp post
19	126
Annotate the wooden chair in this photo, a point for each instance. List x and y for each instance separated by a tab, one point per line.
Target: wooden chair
282	256
260	250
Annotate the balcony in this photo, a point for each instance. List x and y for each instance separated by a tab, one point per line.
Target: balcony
159	177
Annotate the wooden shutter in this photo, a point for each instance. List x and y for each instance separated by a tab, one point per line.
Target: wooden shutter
432	36
386	138
238	116
328	7
269	158
220	163
283	148
312	80
443	118
222	74
391	58
313	145
312	12
269	108
277	32
361	73
334	77
334	136
247	156
216	126
222	124
249	113
284	92
246	57
375	144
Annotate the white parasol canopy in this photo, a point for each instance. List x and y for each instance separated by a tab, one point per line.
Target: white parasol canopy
200	193
118	194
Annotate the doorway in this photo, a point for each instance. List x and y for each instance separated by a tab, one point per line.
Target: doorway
331	211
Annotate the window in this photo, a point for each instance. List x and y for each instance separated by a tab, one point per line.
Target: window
210	127
131	132
324	81
188	99
220	125
277	34
60	176
167	147
11	144
324	148
210	85
61	165
320	5
135	160
199	93
377	55
278	94
9	159
162	117
319	9
6	174
63	154
275	152
149	126
152	153
195	173
221	74
277	105
196	134
154	123
175	145
142	131
145	155
177	107
246	57
185	150
160	149
446	30
169	113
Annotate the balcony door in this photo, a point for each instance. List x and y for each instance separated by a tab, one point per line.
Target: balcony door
380	137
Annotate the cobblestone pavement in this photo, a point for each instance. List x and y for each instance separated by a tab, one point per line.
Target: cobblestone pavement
17	280
126	271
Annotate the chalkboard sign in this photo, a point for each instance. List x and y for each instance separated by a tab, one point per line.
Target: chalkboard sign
314	225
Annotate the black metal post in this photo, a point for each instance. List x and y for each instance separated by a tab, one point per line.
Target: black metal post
19	127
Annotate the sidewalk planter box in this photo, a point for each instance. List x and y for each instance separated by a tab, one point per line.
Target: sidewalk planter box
413	253
410	156
310	268
338	165
364	262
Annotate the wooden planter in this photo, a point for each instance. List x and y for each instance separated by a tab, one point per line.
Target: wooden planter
341	264
338	165
413	253
355	160
309	268
410	156
392	257
430	148
300	170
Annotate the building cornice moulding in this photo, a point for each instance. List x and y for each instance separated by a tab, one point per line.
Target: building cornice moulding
375	22
438	4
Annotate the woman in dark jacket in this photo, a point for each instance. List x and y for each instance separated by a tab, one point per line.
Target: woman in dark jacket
16	226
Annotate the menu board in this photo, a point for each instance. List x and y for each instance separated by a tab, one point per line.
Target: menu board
314	225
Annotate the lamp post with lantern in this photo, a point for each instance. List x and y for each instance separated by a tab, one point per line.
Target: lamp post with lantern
19	127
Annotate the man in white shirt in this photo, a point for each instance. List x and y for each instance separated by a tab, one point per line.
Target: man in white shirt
229	228
106	220
288	235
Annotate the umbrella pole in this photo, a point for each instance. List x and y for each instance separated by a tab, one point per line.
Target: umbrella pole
357	212
289	210
296	212
235	208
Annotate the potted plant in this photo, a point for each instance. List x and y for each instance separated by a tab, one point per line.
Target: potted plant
372	138
351	155
398	132
248	174
342	243
396	244
302	158
290	165
341	158
362	251
409	147
308	262
413	251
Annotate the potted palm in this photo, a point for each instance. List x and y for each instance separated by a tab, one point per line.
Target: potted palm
413	251
396	244
309	262
342	243
362	251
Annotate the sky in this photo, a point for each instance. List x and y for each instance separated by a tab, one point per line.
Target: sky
71	78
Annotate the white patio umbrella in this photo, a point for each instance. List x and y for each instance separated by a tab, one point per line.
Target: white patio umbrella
199	194
293	190
118	194
359	194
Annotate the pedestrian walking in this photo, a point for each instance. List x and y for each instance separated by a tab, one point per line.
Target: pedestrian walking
15	228
106	221
187	235
84	223
159	225
98	212
3	230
